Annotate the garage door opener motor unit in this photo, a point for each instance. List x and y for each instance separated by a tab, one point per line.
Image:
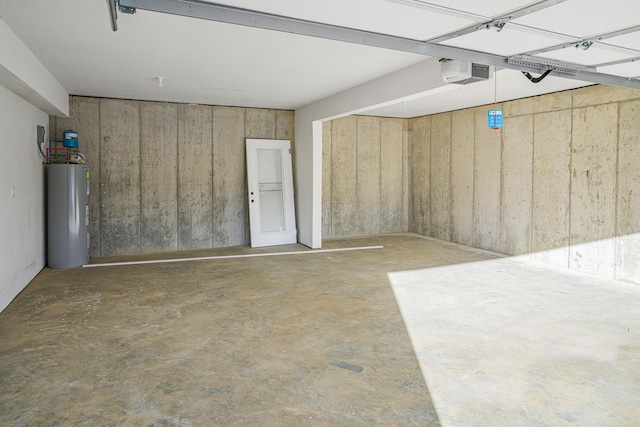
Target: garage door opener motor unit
454	71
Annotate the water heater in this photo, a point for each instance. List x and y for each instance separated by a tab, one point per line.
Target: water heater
67	215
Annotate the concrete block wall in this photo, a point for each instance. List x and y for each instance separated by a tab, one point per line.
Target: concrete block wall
167	176
365	162
560	183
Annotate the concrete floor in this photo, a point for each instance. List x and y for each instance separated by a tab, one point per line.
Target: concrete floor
334	338
508	342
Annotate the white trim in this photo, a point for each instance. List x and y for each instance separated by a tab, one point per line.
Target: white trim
161	261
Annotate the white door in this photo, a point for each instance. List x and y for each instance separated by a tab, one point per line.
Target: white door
270	180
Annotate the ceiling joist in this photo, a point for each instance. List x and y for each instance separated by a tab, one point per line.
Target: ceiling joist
251	18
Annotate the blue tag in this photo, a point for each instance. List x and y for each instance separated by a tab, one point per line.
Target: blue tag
495	119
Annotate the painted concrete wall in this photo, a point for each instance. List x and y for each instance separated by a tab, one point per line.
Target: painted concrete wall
364	162
560	183
22	252
167	176
28	93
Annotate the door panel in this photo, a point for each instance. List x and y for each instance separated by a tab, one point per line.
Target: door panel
270	181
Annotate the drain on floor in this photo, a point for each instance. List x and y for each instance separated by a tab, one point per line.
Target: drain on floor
345	365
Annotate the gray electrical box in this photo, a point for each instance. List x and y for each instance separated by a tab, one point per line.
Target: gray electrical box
40	131
68	215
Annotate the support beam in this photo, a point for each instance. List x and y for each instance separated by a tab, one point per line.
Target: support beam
23	74
414	80
251	18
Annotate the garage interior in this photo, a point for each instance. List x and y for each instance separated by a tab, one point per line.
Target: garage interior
446	272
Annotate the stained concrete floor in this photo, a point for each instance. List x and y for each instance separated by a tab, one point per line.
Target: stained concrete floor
333	338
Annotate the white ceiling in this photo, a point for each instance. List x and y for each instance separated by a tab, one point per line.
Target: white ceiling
221	64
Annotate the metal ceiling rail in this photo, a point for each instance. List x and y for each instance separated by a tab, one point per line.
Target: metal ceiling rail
483	22
251	18
549	64
618	62
497	22
441	9
587	42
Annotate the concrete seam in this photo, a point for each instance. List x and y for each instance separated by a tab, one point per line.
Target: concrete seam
331	228
569	227
406	188
473	236
213	187
419	192
140	167
450	190
100	176
177	236
404	180
429	224
412	178
429	228
380	175
533	156
501	222
501	190
357	203
616	232
333	197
